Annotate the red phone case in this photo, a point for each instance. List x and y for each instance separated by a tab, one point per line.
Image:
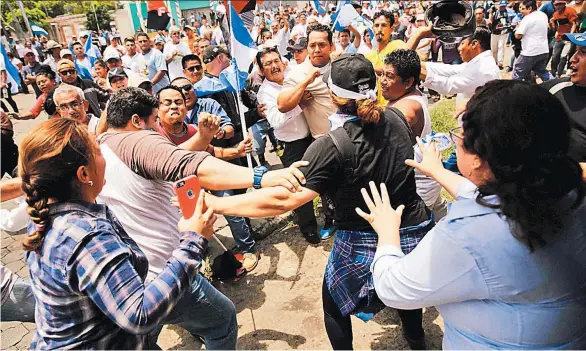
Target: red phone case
187	190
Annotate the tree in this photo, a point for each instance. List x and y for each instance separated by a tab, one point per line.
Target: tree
98	18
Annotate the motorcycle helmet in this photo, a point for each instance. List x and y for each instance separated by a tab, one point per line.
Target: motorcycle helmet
451	18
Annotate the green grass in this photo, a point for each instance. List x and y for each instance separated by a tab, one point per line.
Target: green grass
442	120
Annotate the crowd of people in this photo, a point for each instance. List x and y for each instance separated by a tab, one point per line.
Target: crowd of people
347	112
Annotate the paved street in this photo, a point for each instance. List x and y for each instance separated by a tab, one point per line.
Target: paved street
278	305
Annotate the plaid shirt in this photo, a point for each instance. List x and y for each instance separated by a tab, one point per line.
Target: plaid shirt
348	275
88	281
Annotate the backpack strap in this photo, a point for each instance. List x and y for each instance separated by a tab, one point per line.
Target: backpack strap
556	88
345	151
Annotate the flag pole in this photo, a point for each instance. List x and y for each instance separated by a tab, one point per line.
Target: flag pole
240	107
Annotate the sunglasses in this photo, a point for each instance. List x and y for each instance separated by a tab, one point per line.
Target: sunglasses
68	72
186	87
194	68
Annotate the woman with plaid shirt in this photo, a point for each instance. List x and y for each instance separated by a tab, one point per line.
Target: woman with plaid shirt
87	274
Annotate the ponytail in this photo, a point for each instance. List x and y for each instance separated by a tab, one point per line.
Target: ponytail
366	109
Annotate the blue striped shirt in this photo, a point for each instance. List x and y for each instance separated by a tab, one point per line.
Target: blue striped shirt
88	281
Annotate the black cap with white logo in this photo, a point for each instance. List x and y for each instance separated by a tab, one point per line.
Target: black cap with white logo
352	76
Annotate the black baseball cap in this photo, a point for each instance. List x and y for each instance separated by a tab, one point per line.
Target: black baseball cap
300	44
115	73
213	51
352	76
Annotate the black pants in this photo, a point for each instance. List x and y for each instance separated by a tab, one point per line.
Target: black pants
292	152
339	328
9	154
6	94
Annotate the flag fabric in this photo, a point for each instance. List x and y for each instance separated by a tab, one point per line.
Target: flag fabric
344	17
241	6
242	46
231	79
318	7
368	25
90	50
38	30
12	75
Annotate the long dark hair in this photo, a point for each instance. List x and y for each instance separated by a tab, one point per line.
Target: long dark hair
50	155
522	132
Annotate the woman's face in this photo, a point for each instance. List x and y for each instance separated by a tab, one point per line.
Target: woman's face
469	164
100	71
44	83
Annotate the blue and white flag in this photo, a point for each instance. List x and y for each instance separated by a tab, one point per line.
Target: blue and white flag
318	7
242	46
368	25
344	15
38	30
90	50
231	79
12	75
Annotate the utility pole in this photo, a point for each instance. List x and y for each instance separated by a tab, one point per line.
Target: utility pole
25	18
96	16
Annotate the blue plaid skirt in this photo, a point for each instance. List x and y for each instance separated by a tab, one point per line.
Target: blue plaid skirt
348	276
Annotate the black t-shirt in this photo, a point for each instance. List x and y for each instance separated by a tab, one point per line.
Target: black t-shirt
380	154
574	100
229	102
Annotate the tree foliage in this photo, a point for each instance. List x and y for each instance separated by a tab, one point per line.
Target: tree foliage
40	11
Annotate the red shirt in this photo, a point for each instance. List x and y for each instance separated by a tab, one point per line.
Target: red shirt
564	21
191	130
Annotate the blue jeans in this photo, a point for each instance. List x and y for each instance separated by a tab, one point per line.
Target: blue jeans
525	64
20	305
261	130
559	58
240	230
204	312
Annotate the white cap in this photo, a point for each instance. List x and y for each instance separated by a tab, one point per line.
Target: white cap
64	52
112	55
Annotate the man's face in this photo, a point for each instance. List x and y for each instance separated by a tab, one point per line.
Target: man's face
466	49
300	55
114	63
144	43
71	105
578	67
118	83
319	48
68	75
266	36
479	14
78	49
524	11
130	48
302	19
188	32
187	87
172	109
203	44
224	61
193	71
272	67
30	58
382	29
392	85
175	37
344	39
28	45
560	7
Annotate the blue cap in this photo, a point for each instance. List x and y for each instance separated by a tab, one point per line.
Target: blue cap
503	3
579	39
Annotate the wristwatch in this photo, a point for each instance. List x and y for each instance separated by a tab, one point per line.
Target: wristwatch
259	171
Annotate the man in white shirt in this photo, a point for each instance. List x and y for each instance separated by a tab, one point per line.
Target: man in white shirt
133	60
534	45
218	36
174	51
345	46
115	46
300	28
290	129
478	68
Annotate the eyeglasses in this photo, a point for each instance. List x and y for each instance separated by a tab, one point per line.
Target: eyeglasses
194	68
456	133
68	72
186	87
75	104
